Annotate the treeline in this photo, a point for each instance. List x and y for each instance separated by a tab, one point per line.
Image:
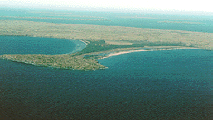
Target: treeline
97	46
100	45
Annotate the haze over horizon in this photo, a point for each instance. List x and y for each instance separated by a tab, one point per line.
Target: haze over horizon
124	5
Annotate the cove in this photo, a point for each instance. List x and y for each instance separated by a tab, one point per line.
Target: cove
36	45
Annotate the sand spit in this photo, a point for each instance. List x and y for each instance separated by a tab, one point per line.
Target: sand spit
94	36
154	49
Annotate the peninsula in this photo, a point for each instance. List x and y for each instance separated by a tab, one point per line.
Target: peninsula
102	41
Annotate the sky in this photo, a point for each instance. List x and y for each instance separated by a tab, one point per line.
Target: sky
167	5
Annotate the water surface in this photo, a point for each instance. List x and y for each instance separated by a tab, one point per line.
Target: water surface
173	84
35	45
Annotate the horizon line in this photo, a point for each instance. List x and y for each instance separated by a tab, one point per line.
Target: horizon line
165	11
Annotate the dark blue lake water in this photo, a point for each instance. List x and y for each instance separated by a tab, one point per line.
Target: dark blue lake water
171	84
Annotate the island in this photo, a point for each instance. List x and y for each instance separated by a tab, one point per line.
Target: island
102	42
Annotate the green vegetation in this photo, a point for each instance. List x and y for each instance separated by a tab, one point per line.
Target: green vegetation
99	39
107	33
57	61
98	46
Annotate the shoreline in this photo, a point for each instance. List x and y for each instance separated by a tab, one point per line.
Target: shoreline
79	45
107	33
94	38
131	51
78	62
123	52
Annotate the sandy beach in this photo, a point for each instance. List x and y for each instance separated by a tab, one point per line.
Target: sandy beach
123	52
130	51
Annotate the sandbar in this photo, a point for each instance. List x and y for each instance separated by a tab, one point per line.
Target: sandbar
153	49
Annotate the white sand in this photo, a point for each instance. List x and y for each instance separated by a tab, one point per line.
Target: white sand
130	51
